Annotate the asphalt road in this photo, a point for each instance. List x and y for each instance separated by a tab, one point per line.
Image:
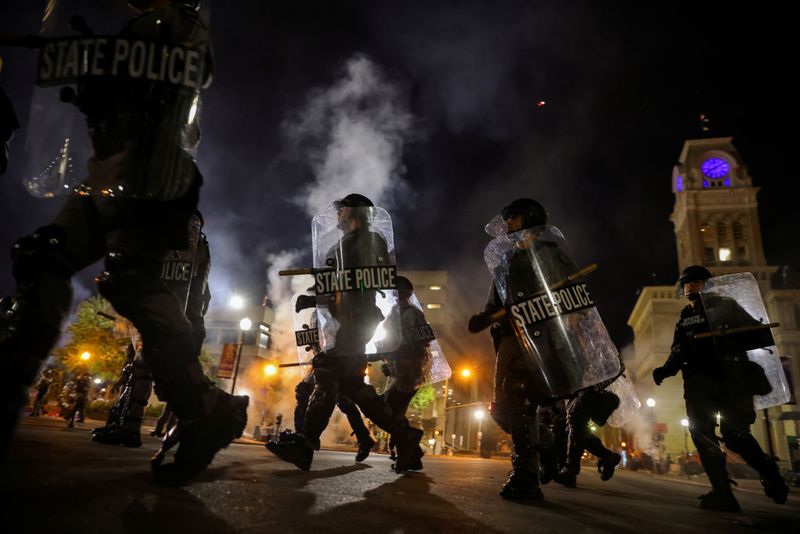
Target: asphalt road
56	480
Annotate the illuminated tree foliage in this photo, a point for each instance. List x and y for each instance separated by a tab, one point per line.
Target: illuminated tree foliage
424	397
105	340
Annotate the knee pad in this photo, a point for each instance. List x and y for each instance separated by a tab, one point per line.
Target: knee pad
517	387
126	278
41	252
603	405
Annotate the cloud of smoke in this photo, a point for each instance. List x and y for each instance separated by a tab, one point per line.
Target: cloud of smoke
352	133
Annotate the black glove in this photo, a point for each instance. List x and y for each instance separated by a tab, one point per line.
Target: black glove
480	322
305	301
659	374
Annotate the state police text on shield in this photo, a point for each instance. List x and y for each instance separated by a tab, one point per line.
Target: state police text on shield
568	299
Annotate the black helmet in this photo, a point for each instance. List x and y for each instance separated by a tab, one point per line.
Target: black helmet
532	211
404	284
693	273
353	200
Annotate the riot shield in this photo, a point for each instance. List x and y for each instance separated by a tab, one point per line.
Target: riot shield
178	267
120	90
436	369
354	280
629	402
420	359
739	324
559	329
305	333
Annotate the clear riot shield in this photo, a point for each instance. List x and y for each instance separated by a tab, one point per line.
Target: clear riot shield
553	314
738	323
629	402
354	280
178	267
305	333
120	91
437	368
420	359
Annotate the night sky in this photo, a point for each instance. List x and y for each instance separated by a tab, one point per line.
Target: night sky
624	85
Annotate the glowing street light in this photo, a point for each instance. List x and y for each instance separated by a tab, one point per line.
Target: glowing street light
236	302
98	381
245	324
651	403
270	369
85	356
466	373
479	414
684	422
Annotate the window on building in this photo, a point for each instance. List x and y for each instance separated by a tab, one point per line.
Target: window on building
724	254
722	231
433	306
741	253
738	231
797	316
708	255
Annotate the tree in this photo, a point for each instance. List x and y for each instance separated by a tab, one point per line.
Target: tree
424	397
105	340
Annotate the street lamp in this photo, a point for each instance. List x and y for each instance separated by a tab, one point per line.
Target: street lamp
685	425
244	325
466	373
651	403
85	356
479	415
236	302
270	369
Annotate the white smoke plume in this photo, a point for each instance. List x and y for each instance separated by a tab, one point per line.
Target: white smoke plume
352	133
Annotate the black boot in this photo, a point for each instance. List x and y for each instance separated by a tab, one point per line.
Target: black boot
117	436
607	465
523	481
293	448
720	499
567	477
774	486
409	453
365	445
202	438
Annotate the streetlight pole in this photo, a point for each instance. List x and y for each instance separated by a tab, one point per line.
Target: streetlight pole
479	414
244	325
685	425
444	412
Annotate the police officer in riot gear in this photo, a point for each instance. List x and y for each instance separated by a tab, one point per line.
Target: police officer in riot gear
717	383
341	370
515	402
185	273
137	141
405	367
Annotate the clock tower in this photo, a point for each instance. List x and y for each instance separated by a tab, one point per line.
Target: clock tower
716	211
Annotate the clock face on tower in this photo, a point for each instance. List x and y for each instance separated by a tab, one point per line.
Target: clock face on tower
715	167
